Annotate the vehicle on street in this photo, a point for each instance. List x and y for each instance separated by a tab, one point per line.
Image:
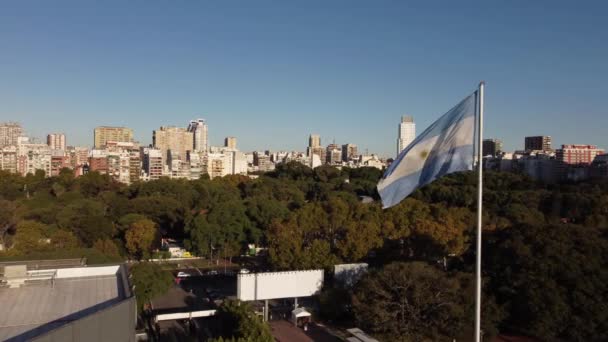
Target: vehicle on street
183	275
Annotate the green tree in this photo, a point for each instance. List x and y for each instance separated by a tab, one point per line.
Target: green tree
87	220
30	237
106	247
335	304
553	279
93	183
170	214
8	218
225	224
293	170
285	245
410	302
204	236
63	239
140	238
239	321
150	281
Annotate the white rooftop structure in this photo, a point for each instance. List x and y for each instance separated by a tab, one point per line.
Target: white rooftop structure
55	303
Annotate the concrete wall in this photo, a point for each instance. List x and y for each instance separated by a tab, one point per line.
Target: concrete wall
86	271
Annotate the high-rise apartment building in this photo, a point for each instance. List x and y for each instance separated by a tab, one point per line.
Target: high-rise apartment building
9	132
492	147
577	154
98	164
200	139
56	141
314	140
349	152
334	156
78	156
103	134
134	165
315	148
174	140
230	142
262	161
333	153
58	163
406	133
152	163
538	143
32	157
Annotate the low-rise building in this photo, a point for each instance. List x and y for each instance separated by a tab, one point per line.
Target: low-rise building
91	304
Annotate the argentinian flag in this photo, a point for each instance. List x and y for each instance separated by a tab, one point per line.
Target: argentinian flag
445	147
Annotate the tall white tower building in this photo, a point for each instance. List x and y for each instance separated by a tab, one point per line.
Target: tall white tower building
199	128
407	132
56	141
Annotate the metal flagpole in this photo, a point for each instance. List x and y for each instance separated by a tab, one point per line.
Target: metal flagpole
479	214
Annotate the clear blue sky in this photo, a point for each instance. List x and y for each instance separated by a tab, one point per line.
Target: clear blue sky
272	72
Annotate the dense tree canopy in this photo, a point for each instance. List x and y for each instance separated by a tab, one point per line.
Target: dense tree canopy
239	322
554	280
150	281
545	244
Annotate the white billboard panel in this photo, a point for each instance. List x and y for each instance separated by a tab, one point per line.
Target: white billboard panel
274	285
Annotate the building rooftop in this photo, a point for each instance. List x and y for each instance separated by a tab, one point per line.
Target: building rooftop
39	307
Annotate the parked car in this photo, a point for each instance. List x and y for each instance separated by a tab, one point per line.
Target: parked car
212	272
244	271
183	275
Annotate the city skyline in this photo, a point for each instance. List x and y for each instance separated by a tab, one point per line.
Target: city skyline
297	69
520	146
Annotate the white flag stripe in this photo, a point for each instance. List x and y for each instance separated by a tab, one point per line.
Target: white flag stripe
445	147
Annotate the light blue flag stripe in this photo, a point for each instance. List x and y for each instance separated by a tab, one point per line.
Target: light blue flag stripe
445	147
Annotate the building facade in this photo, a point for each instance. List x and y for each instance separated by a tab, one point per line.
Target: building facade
406	133
103	134
177	140
32	157
56	141
577	154
152	163
230	142
200	139
349	152
492	147
315	148
314	140
262	162
8	159
538	143
9	132
58	163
